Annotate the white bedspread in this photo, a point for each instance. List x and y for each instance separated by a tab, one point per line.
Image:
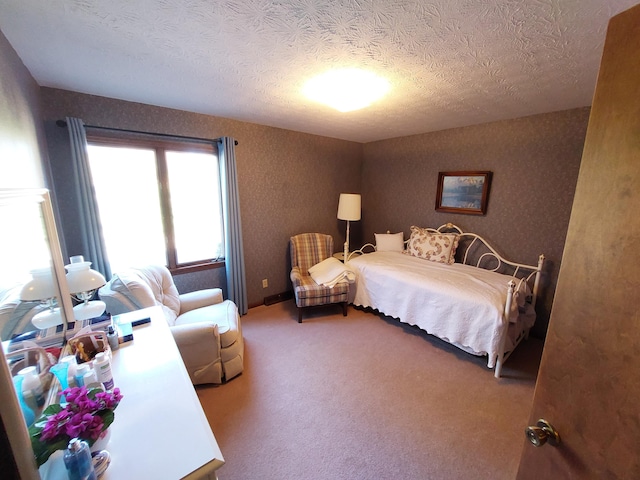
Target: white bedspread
461	304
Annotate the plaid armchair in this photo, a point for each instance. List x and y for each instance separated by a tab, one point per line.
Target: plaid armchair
308	249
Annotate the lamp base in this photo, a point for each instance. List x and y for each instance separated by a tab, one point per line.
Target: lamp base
47	319
85	311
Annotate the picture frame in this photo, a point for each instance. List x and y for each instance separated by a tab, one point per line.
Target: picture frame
463	192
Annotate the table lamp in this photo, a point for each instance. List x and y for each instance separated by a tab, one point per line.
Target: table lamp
40	288
83	282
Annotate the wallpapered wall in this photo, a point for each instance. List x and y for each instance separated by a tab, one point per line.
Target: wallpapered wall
21	134
289	182
21	145
535	162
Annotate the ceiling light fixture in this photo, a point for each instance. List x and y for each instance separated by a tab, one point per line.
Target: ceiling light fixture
346	89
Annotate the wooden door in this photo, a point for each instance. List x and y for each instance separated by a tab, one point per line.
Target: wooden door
589	382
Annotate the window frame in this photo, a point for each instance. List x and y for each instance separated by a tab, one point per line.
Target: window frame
160	145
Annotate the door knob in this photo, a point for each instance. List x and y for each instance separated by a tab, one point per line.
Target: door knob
542	433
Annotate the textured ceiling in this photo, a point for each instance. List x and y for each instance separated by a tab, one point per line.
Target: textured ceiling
450	62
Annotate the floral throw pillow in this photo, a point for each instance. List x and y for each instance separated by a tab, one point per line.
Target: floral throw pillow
436	247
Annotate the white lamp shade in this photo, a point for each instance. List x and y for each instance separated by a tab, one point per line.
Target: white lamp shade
80	278
40	287
349	206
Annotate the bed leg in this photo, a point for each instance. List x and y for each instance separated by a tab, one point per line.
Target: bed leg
498	371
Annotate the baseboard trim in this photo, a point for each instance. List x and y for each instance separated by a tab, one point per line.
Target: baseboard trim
278	297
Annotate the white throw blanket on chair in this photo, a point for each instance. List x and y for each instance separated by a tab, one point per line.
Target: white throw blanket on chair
330	272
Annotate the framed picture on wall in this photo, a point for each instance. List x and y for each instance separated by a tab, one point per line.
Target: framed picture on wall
463	192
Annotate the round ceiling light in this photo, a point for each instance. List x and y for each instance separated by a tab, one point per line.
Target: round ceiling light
346	89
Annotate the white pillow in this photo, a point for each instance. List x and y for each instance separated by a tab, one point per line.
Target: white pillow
129	284
389	242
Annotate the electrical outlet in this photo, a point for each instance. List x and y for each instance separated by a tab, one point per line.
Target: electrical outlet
265	283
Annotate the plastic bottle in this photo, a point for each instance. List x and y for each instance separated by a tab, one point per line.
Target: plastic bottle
112	337
90	380
102	367
32	388
81	370
29	416
73	367
77	459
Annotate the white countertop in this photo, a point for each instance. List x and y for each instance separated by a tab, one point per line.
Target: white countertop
160	430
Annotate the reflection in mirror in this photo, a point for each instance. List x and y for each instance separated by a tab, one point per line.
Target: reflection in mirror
33	293
26	250
41	289
28	290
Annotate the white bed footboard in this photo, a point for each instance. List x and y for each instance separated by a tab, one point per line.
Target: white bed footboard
476	251
523	333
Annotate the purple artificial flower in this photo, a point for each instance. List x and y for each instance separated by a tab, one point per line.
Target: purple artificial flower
55	425
84	415
84	425
72	393
107	400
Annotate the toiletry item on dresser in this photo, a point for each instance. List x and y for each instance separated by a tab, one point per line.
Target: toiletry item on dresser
81	370
102	366
71	372
28	414
112	337
77	459
32	390
91	381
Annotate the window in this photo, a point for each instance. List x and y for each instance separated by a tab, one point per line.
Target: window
159	201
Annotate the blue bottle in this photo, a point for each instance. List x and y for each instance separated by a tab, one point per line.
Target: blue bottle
29	416
77	459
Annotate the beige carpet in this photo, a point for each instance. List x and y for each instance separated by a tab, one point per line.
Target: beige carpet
365	397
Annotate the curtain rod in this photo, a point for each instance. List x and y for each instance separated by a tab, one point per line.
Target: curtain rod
63	123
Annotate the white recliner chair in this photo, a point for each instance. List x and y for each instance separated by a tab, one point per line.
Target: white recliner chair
206	328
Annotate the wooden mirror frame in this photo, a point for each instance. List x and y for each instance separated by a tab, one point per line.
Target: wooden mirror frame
12	418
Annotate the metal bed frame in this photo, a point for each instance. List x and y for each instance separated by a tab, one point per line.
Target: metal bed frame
475	251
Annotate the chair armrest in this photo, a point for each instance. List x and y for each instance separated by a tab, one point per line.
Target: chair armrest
199	346
296	276
200	298
190	335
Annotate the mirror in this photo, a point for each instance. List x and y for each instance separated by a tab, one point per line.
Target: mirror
29	247
31	259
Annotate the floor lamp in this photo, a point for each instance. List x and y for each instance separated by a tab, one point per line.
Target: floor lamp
349	210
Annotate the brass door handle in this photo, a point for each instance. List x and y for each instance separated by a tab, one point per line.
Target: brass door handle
542	433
